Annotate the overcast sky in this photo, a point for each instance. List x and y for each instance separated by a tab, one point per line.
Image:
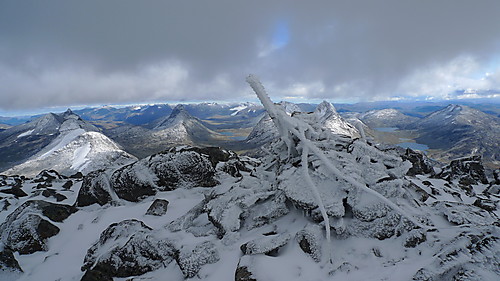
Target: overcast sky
67	53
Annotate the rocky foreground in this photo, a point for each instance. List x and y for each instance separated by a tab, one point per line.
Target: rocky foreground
206	213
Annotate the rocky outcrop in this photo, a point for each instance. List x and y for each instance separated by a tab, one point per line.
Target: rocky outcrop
420	163
26	230
467	171
127	248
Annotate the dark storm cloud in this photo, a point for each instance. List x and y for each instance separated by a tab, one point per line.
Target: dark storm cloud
87	52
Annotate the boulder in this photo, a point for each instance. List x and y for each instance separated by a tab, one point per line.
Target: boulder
158	208
94	189
26	231
420	163
183	167
310	239
268	245
191	262
127	248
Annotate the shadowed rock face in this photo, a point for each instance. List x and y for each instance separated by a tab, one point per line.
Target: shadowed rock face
468	171
141	252
420	165
94	190
187	167
26	231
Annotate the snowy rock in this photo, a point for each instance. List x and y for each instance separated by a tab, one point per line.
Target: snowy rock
127	248
178	167
26	231
414	238
244	270
95	189
268	245
8	263
191	262
460	213
310	240
468	171
471	255
420	164
158	208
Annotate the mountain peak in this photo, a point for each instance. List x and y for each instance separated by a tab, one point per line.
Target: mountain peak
325	108
179	114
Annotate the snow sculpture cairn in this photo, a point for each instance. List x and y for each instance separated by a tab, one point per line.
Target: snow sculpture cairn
298	137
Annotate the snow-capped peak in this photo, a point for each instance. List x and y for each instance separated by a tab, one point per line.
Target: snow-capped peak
325	109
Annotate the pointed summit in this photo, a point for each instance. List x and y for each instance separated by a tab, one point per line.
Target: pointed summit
325	110
330	119
178	115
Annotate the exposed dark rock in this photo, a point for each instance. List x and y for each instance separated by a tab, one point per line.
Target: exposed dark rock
52	193
158	208
468	171
27	234
94	190
16	191
139	253
186	167
96	275
420	193
243	271
77	175
128	183
485	204
496	176
7	260
47	176
26	231
191	262
215	154
68	184
420	164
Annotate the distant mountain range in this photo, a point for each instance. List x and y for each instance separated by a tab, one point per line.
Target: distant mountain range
58	141
146	129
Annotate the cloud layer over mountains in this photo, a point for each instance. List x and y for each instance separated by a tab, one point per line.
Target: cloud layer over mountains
92	52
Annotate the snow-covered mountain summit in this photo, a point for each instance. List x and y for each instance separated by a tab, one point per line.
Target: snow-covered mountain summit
389	117
330	119
75	146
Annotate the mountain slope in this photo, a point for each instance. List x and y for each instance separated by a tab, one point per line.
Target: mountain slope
331	120
183	128
386	118
460	131
75	146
